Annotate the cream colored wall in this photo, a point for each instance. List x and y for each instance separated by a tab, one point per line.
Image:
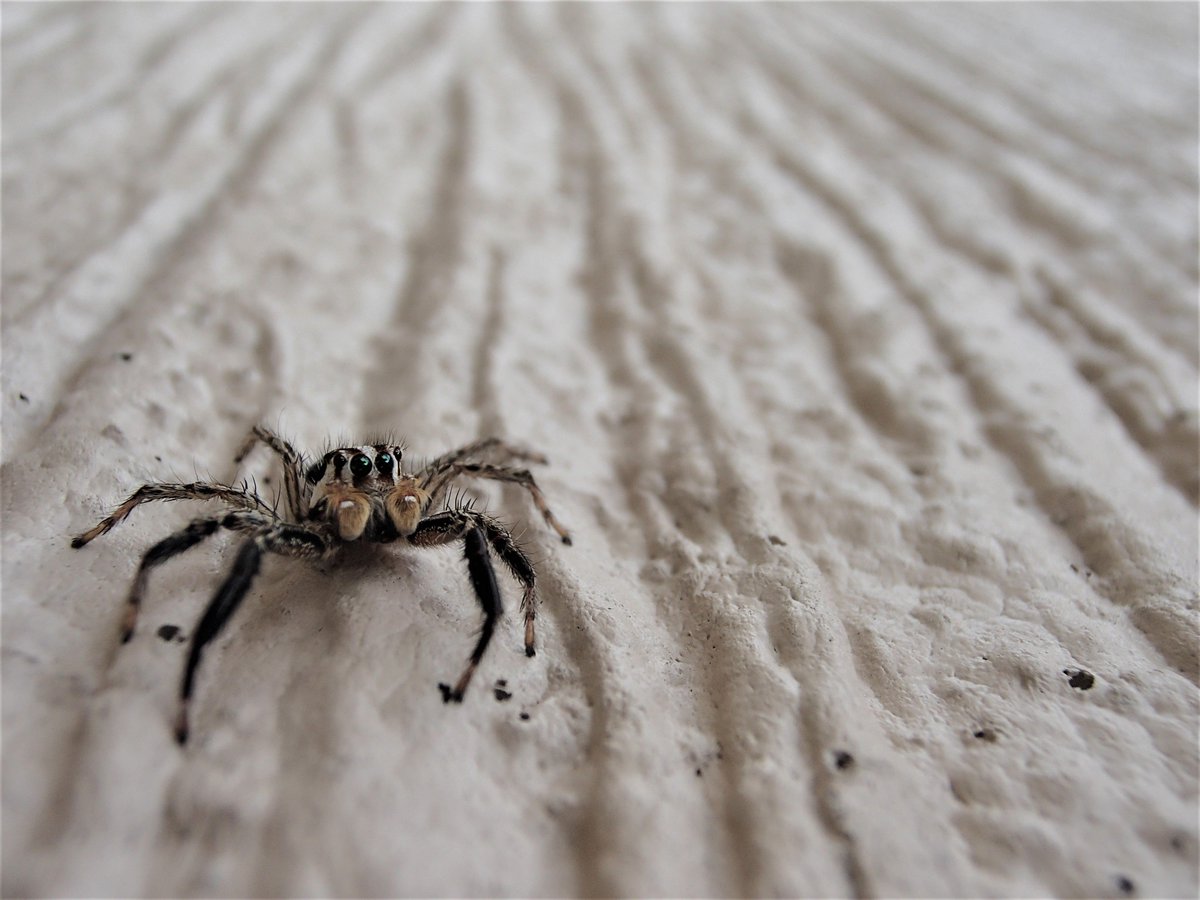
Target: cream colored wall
863	344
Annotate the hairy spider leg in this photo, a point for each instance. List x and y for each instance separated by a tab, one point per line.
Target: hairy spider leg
478	448
475	531
293	467
164	491
522	569
439	481
287	540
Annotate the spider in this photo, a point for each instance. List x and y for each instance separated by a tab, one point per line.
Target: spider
349	494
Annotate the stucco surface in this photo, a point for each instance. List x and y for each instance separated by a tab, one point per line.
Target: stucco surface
862	341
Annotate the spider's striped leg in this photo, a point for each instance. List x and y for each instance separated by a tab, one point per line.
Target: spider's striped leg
293	467
164	491
287	540
521	568
523	477
478	448
477	531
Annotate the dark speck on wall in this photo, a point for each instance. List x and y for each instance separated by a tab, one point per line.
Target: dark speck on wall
1080	679
986	734
1125	886
776	540
524	717
843	760
171	633
126	357
24	399
502	694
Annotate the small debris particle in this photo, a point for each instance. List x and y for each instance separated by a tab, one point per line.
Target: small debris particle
502	695
698	773
501	682
1124	885
24	399
524	717
776	540
986	734
843	760
126	357
1080	679
1075	568
159	458
171	633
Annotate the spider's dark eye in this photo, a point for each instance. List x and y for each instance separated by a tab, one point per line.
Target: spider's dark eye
384	462
315	471
360	465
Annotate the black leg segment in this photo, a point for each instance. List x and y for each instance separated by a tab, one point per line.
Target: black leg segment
168	547
483	580
222	606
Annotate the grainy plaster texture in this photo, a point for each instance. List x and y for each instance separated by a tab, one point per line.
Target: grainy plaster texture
862	341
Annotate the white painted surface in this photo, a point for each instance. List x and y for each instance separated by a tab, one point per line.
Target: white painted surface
863	342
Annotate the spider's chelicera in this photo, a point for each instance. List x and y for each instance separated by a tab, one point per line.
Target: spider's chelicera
348	494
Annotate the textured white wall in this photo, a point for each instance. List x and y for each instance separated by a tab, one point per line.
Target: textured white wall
863	342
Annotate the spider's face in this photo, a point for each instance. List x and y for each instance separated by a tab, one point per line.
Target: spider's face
366	468
350	484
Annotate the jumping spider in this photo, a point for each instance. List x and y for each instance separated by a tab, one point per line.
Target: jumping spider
348	494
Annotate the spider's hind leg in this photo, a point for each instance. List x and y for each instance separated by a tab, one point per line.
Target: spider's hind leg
222	606
293	466
521	568
287	540
197	490
438	482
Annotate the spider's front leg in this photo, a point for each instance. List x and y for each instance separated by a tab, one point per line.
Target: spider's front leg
288	540
177	543
477	531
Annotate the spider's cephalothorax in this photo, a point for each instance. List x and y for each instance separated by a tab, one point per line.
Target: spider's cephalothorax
348	494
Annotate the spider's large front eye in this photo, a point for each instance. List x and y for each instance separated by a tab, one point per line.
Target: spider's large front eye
384	463
360	465
315	471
